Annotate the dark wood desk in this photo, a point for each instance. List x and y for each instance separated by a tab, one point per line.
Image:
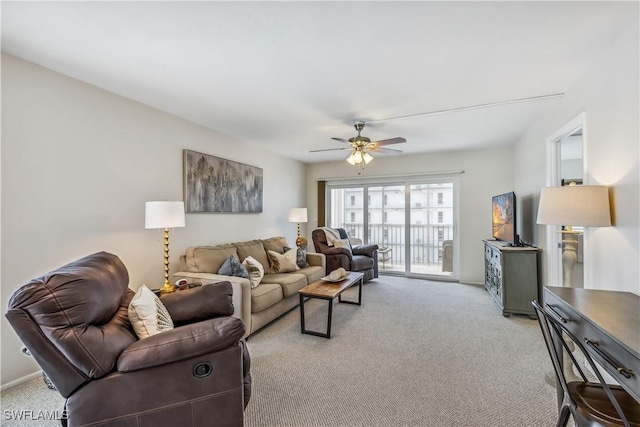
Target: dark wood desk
609	319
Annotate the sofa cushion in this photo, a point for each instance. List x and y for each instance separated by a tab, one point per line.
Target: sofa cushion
291	282
264	296
208	259
254	249
283	262
312	272
276	244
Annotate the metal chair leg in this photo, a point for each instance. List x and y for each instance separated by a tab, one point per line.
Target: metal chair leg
563	418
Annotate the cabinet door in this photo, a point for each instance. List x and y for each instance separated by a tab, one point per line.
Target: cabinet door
521	279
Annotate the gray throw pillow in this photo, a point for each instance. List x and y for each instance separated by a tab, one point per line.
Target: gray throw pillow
301	255
233	267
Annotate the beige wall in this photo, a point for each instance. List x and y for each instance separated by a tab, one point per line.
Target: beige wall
483	177
78	163
608	95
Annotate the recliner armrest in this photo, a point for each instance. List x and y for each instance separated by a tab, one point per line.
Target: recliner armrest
181	343
196	304
368	250
338	251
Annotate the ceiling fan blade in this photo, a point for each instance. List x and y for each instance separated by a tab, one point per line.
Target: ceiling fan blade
390	141
330	149
341	140
385	150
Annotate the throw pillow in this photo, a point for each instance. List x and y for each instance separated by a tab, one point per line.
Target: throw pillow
301	255
233	267
255	269
283	263
147	314
342	243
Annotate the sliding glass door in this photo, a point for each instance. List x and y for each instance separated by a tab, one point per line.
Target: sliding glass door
431	228
413	223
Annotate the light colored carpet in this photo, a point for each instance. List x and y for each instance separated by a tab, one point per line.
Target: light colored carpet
416	353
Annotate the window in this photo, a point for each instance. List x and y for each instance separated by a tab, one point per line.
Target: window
413	218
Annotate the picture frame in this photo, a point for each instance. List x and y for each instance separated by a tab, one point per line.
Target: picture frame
216	185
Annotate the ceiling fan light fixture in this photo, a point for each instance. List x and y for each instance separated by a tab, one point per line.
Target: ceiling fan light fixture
367	158
357	156
350	159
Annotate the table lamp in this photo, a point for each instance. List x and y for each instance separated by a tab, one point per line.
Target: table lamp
298	215
165	215
573	205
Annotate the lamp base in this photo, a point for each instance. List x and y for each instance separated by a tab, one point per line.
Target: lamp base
167	288
569	255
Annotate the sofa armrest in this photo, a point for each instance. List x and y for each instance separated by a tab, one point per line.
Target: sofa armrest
196	304
181	343
317	260
241	292
368	250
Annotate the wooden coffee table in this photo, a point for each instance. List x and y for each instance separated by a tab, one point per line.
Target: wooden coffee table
329	291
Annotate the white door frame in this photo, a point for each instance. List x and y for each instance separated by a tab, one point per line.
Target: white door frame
554	239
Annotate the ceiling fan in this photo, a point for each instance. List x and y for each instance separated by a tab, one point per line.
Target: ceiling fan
361	147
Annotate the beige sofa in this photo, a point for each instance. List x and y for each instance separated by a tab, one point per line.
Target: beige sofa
276	294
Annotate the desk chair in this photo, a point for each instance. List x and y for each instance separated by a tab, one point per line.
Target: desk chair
592	404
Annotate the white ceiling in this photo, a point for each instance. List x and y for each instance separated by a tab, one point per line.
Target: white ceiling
289	75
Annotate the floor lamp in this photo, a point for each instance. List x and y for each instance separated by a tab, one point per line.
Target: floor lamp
165	215
573	205
298	215
569	206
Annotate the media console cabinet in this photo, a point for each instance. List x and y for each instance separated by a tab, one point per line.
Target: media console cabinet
511	277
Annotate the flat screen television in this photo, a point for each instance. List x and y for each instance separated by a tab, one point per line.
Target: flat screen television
503	218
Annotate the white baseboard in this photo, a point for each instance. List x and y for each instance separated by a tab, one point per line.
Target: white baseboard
466	282
21	380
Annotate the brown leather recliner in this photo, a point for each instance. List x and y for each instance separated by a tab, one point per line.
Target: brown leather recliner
361	258
74	321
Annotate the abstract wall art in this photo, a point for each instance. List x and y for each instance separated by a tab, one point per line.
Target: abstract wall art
216	185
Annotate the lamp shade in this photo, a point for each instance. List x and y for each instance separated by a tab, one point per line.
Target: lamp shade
575	205
164	214
298	215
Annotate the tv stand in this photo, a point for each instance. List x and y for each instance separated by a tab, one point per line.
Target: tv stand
511	276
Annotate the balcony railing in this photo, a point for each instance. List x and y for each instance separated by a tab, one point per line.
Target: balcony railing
425	240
